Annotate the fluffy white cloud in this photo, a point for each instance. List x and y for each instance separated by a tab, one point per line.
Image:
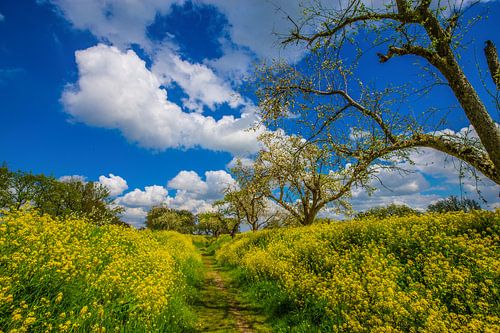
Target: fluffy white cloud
417	201
198	81
392	182
234	64
116	90
73	178
394	187
115	184
151	196
190	185
195	194
134	216
252	24
217	182
257	25
192	193
188	181
446	170
121	23
184	201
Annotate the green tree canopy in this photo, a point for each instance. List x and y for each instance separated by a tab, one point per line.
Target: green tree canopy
388	211
164	218
216	224
453	204
89	200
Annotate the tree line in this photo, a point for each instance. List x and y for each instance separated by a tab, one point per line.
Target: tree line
89	200
242	205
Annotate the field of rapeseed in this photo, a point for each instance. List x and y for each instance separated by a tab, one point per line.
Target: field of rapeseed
69	275
430	273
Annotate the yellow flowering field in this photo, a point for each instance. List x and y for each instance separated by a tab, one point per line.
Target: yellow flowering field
69	275
429	273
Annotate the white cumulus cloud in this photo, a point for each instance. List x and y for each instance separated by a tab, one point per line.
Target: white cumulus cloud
134	216
258	24
198	81
192	193
151	196
115	184
188	181
195	194
414	190
190	185
115	90
119	22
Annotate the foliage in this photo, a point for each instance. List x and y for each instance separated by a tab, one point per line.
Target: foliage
425	273
298	176
164	218
327	99
68	275
59	199
215	224
246	201
453	204
387	211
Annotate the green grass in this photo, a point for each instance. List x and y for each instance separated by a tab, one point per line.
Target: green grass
221	306
267	298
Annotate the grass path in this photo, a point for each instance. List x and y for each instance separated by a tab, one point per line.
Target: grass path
220	306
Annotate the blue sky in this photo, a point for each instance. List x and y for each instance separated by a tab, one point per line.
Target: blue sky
151	94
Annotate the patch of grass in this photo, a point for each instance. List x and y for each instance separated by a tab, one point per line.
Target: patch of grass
216	243
267	298
220	305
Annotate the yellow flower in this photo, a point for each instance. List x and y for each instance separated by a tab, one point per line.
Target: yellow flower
29	321
59	298
17	317
84	310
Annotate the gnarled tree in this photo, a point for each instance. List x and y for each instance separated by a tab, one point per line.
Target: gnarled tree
362	124
298	176
247	201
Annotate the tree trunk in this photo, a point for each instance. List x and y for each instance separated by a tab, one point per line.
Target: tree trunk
474	109
490	51
309	218
233	231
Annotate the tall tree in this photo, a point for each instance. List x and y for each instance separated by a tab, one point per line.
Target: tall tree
299	177
229	215
247	200
362	123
